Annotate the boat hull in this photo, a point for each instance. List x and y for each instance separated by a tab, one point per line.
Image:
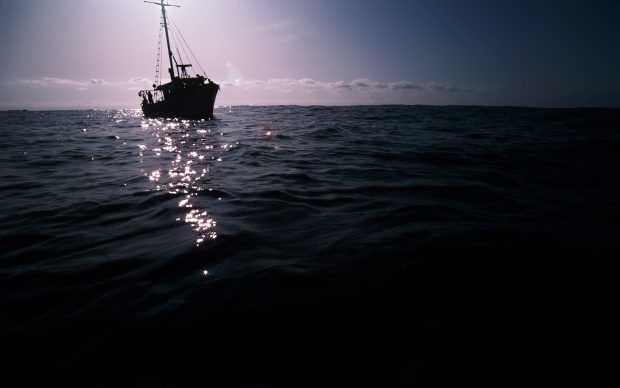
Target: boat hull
195	102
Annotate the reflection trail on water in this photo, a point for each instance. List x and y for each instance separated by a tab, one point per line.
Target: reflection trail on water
188	150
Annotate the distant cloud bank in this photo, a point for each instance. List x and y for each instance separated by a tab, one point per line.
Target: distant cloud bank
283	84
357	91
55	92
63	93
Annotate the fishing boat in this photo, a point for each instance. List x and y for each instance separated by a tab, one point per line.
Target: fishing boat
189	94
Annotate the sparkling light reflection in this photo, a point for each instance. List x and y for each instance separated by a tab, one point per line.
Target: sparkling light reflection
188	152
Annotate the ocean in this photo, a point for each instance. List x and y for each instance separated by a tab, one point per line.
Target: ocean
299	245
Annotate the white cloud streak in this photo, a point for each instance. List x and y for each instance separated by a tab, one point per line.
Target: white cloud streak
283	31
358	91
360	85
277	27
257	92
48	82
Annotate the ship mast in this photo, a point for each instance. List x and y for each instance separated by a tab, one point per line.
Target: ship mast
163	14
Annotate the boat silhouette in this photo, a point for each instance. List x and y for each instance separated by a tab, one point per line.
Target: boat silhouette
185	96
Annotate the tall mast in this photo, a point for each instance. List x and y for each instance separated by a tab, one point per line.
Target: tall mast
163	14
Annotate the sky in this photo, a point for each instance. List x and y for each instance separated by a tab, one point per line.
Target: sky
66	54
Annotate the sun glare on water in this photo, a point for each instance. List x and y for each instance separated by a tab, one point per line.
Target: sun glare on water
186	151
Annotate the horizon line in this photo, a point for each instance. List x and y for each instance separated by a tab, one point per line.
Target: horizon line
319	105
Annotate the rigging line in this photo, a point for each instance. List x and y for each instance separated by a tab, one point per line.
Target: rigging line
191	52
161	44
157	80
175	31
189	48
176	46
177	43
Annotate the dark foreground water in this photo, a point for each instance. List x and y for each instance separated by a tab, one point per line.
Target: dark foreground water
301	246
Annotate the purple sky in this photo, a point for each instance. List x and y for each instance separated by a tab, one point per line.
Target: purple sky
99	53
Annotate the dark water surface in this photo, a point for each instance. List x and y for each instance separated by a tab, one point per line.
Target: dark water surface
298	246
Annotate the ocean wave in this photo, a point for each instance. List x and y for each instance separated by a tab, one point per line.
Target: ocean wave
293	227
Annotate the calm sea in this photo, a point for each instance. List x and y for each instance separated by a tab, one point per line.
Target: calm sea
296	246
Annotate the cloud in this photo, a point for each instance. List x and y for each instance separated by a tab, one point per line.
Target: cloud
339	85
404	85
140	80
445	88
307	81
48	91
277	26
96	81
361	84
283	31
357	91
59	93
136	83
48	82
282	81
